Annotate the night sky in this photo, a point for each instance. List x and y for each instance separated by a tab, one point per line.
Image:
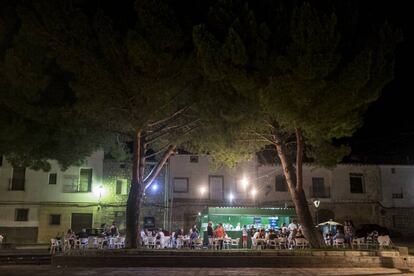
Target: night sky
388	131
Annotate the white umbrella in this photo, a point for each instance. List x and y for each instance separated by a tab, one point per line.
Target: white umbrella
329	222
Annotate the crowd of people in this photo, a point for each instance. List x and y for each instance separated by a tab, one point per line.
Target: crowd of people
345	234
83	235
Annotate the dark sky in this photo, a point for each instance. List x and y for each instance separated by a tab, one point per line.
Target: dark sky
389	122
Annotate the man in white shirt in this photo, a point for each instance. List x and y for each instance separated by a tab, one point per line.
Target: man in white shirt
293	225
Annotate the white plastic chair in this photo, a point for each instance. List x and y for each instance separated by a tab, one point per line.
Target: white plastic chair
198	243
339	242
282	242
359	242
273	243
301	243
254	244
92	242
84	243
151	242
216	244
235	242
119	242
53	246
384	241
226	243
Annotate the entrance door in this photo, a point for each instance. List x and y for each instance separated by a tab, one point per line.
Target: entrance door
216	187
80	221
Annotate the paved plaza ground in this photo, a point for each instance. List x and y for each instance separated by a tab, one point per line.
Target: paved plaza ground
46	270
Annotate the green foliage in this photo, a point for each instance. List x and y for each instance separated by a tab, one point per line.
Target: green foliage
75	79
311	81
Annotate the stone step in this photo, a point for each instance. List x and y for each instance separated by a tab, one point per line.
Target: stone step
27	259
232	261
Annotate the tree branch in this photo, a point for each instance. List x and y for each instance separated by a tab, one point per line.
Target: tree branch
265	138
154	173
157	152
299	159
162	121
168	130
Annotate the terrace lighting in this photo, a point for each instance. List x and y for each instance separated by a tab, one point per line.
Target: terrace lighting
244	182
203	190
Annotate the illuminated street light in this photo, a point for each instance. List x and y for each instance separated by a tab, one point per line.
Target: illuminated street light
316	202
254	192
231	197
154	187
203	190
244	182
199	213
99	192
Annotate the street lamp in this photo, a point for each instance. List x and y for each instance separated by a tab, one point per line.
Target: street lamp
231	197
316	202
254	192
244	183
203	190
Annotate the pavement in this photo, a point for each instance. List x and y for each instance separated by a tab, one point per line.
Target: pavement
45	270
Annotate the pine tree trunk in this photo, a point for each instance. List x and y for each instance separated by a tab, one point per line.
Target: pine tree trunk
294	182
311	233
132	215
134	197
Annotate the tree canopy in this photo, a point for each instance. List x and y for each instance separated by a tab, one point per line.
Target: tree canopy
308	74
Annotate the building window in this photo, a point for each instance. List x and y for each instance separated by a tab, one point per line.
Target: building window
54	220
393	170
356	182
281	185
193	159
52	178
180	184
121	187
18	179
398	195
318	187
85	180
1	160
21	215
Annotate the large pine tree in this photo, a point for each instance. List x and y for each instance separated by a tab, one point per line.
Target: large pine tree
291	76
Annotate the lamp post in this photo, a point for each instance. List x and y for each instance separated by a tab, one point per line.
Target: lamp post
316	202
254	192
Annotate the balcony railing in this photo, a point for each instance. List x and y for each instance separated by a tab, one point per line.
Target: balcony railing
16	184
77	188
320	193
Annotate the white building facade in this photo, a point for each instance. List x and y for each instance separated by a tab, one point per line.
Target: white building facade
35	205
374	194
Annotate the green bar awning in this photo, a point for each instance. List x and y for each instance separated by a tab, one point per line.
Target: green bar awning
248	211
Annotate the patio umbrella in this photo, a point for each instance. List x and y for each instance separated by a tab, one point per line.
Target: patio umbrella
329	223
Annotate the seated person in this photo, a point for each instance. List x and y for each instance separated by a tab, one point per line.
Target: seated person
299	234
328	238
193	237
260	235
114	230
83	234
339	235
271	235
71	237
